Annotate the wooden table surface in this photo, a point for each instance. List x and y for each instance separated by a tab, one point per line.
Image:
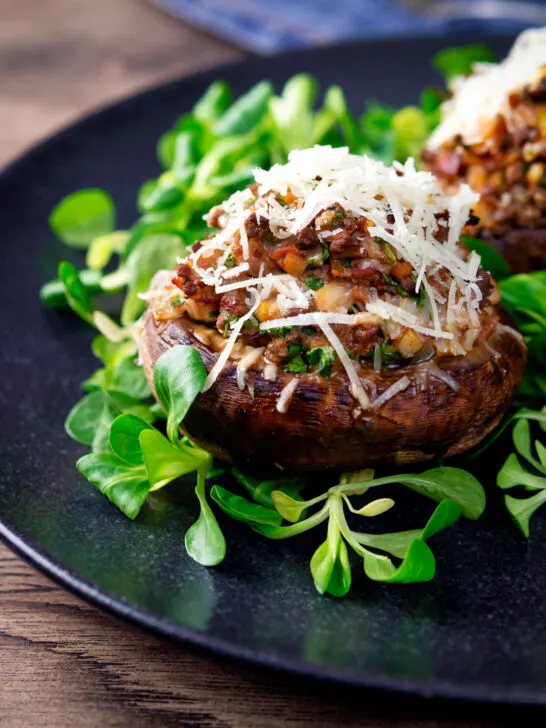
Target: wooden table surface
63	663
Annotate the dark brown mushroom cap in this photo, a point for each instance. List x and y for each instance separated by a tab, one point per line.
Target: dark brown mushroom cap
319	431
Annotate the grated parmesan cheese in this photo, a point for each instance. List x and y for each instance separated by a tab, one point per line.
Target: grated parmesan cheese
226	351
236	271
444	377
357	390
478	98
286	395
394	313
246	363
404	207
392	391
270	371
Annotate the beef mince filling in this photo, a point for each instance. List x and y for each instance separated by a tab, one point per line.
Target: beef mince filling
335	265
344	265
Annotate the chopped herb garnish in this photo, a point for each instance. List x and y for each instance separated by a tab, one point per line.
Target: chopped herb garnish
388	279
313	283
389	252
309	330
281	201
340	214
282	331
294	348
322	357
296	365
401	290
227	323
229	261
421	297
325	253
177	301
347	263
252	322
388	351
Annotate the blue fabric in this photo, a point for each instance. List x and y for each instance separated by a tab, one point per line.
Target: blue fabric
268	26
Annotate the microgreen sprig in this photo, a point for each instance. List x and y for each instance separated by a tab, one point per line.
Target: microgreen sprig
330	565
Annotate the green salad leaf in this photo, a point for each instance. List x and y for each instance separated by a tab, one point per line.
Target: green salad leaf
179	376
530	477
204	540
126	485
124	438
244	510
459	61
83	216
152	253
330	566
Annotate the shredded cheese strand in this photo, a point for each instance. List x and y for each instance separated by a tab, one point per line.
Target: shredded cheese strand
357	390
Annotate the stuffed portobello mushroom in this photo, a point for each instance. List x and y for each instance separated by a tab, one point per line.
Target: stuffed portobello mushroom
492	136
341	322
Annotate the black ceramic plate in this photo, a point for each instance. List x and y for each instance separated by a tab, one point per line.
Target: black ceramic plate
478	631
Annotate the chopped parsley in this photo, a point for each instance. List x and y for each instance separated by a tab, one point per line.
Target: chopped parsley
296	365
325	253
282	331
389	280
340	214
177	301
294	348
227	323
309	330
387	352
313	283
300	360
323	358
229	261
388	250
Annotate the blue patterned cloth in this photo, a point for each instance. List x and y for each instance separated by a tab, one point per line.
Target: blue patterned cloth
268	26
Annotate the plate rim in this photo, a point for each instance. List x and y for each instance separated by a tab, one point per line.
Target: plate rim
202	642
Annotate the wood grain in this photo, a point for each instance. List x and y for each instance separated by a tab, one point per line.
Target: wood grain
60	58
63	663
